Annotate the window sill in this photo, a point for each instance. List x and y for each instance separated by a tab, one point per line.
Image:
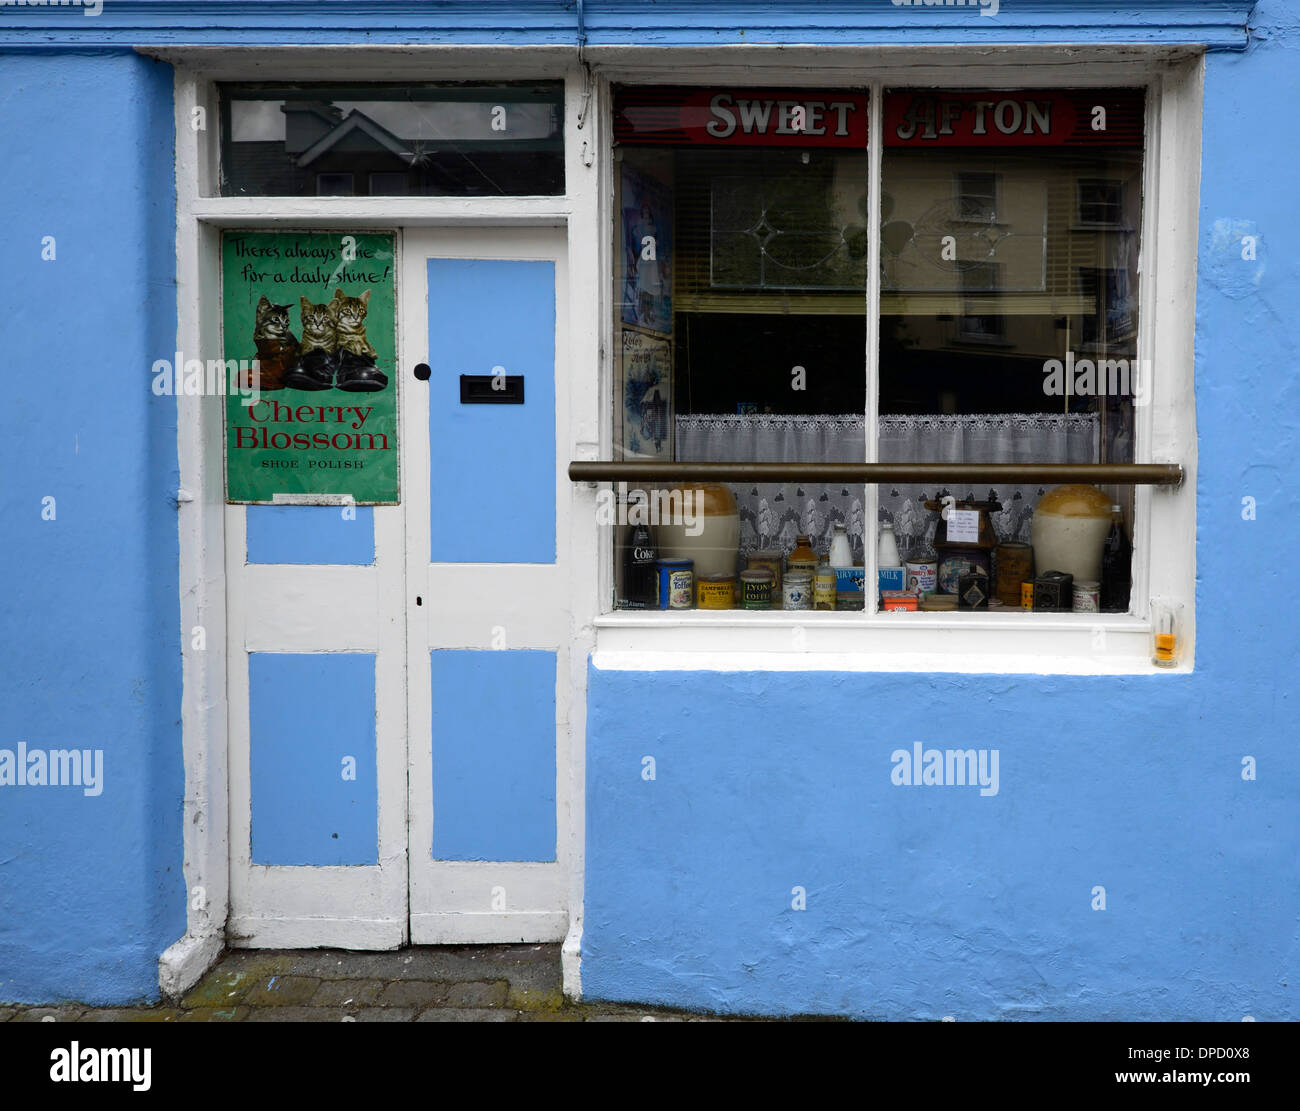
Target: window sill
994	643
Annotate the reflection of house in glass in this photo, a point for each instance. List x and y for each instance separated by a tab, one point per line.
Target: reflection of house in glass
353	142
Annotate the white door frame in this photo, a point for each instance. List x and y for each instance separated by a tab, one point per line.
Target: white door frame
458	902
200	215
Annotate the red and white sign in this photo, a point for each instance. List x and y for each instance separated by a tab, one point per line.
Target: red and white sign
666	116
1034	118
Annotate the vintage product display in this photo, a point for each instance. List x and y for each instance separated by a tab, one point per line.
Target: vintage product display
964	540
715	592
1069	530
676	589
756	589
640	576
690	560
1087	597
803	558
772	561
1054	592
892	601
796	591
1015	563
824	587
973	591
1116	566
699	522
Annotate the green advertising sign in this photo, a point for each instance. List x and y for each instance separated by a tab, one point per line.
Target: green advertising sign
317	311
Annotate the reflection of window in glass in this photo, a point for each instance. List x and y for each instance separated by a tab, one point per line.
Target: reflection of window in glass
1101	203
981	322
976	197
418	140
1110	316
388	185
334	185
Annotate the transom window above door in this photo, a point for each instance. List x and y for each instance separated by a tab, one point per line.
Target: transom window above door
392	140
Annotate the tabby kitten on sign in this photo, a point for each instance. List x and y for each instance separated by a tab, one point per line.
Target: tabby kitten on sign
350	321
317	365
319	332
277	348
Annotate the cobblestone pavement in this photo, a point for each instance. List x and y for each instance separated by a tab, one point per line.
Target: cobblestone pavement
479	983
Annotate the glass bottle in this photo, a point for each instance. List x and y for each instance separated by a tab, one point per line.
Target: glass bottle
803	558
887	552
1116	566
841	555
640	580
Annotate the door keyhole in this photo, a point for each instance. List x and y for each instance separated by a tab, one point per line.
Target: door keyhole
419	601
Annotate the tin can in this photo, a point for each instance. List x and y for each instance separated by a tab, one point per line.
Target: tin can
922	575
1026	595
797	591
1087	597
1015	561
850	600
772	561
716	592
824	589
676	584
973	591
899	600
756	589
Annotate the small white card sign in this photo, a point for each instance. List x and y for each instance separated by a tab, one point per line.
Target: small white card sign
963	526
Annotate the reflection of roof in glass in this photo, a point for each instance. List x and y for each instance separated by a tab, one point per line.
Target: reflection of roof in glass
456	121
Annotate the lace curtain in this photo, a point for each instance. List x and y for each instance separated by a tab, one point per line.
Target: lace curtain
773	514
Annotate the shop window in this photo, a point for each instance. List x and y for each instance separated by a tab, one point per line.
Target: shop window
1008	243
408	140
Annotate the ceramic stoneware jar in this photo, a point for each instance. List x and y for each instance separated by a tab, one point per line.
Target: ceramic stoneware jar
1069	531
708	510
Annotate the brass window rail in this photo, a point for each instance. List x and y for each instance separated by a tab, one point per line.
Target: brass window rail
1125	474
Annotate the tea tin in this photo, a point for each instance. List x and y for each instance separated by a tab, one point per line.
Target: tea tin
756	589
973	591
1015	562
715	592
676	584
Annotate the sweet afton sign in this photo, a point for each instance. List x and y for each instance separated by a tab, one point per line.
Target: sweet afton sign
316	310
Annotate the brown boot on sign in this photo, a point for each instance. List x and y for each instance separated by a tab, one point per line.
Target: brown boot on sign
277	348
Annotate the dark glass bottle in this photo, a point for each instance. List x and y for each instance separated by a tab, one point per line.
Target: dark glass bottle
640	582
1116	567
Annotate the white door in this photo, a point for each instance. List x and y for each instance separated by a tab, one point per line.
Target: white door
487	586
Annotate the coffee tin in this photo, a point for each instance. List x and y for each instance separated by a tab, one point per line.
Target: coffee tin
1087	597
716	592
771	560
756	589
676	584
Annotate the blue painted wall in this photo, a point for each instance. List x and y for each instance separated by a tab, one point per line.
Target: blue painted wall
932	901
91	889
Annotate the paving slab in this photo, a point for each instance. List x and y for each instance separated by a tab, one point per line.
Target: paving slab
417	994
345	993
385	1014
62	1013
467	1014
475	995
294	1014
283	991
216	1014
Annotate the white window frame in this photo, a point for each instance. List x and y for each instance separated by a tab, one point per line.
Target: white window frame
1164	524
